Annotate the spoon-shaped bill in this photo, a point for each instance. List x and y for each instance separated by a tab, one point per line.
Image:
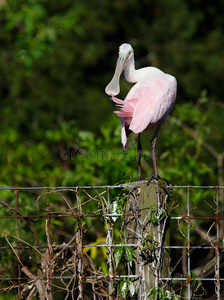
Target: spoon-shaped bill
113	88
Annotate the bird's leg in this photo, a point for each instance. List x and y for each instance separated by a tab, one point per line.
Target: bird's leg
139	157
153	153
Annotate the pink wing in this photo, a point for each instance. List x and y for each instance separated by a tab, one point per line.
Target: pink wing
148	102
156	98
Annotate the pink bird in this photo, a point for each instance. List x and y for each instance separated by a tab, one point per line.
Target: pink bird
147	104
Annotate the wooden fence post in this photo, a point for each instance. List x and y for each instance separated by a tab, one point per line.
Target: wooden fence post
148	228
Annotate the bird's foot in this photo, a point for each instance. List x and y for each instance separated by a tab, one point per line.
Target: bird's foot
158	178
139	178
162	182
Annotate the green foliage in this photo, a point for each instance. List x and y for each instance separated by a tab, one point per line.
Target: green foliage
147	246
123	250
54	70
118	252
196	284
160	293
118	206
156	215
127	286
129	254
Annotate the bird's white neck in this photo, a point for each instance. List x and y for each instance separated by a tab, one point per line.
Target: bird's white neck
130	73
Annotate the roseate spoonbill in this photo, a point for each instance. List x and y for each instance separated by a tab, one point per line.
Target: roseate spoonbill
147	104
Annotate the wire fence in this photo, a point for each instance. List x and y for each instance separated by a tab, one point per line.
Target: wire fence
70	243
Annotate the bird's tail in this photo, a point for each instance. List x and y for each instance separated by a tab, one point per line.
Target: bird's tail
125	113
126	107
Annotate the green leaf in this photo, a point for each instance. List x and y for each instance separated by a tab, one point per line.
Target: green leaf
153	219
129	254
153	216
131	287
156	214
168	295
193	276
195	282
157	293
114	208
161	293
118	252
149	292
124	288
161	213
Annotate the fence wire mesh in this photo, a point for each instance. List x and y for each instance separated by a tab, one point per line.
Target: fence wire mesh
64	243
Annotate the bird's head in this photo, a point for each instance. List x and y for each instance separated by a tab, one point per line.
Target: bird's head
125	52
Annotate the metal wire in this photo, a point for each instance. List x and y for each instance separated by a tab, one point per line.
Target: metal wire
37	210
